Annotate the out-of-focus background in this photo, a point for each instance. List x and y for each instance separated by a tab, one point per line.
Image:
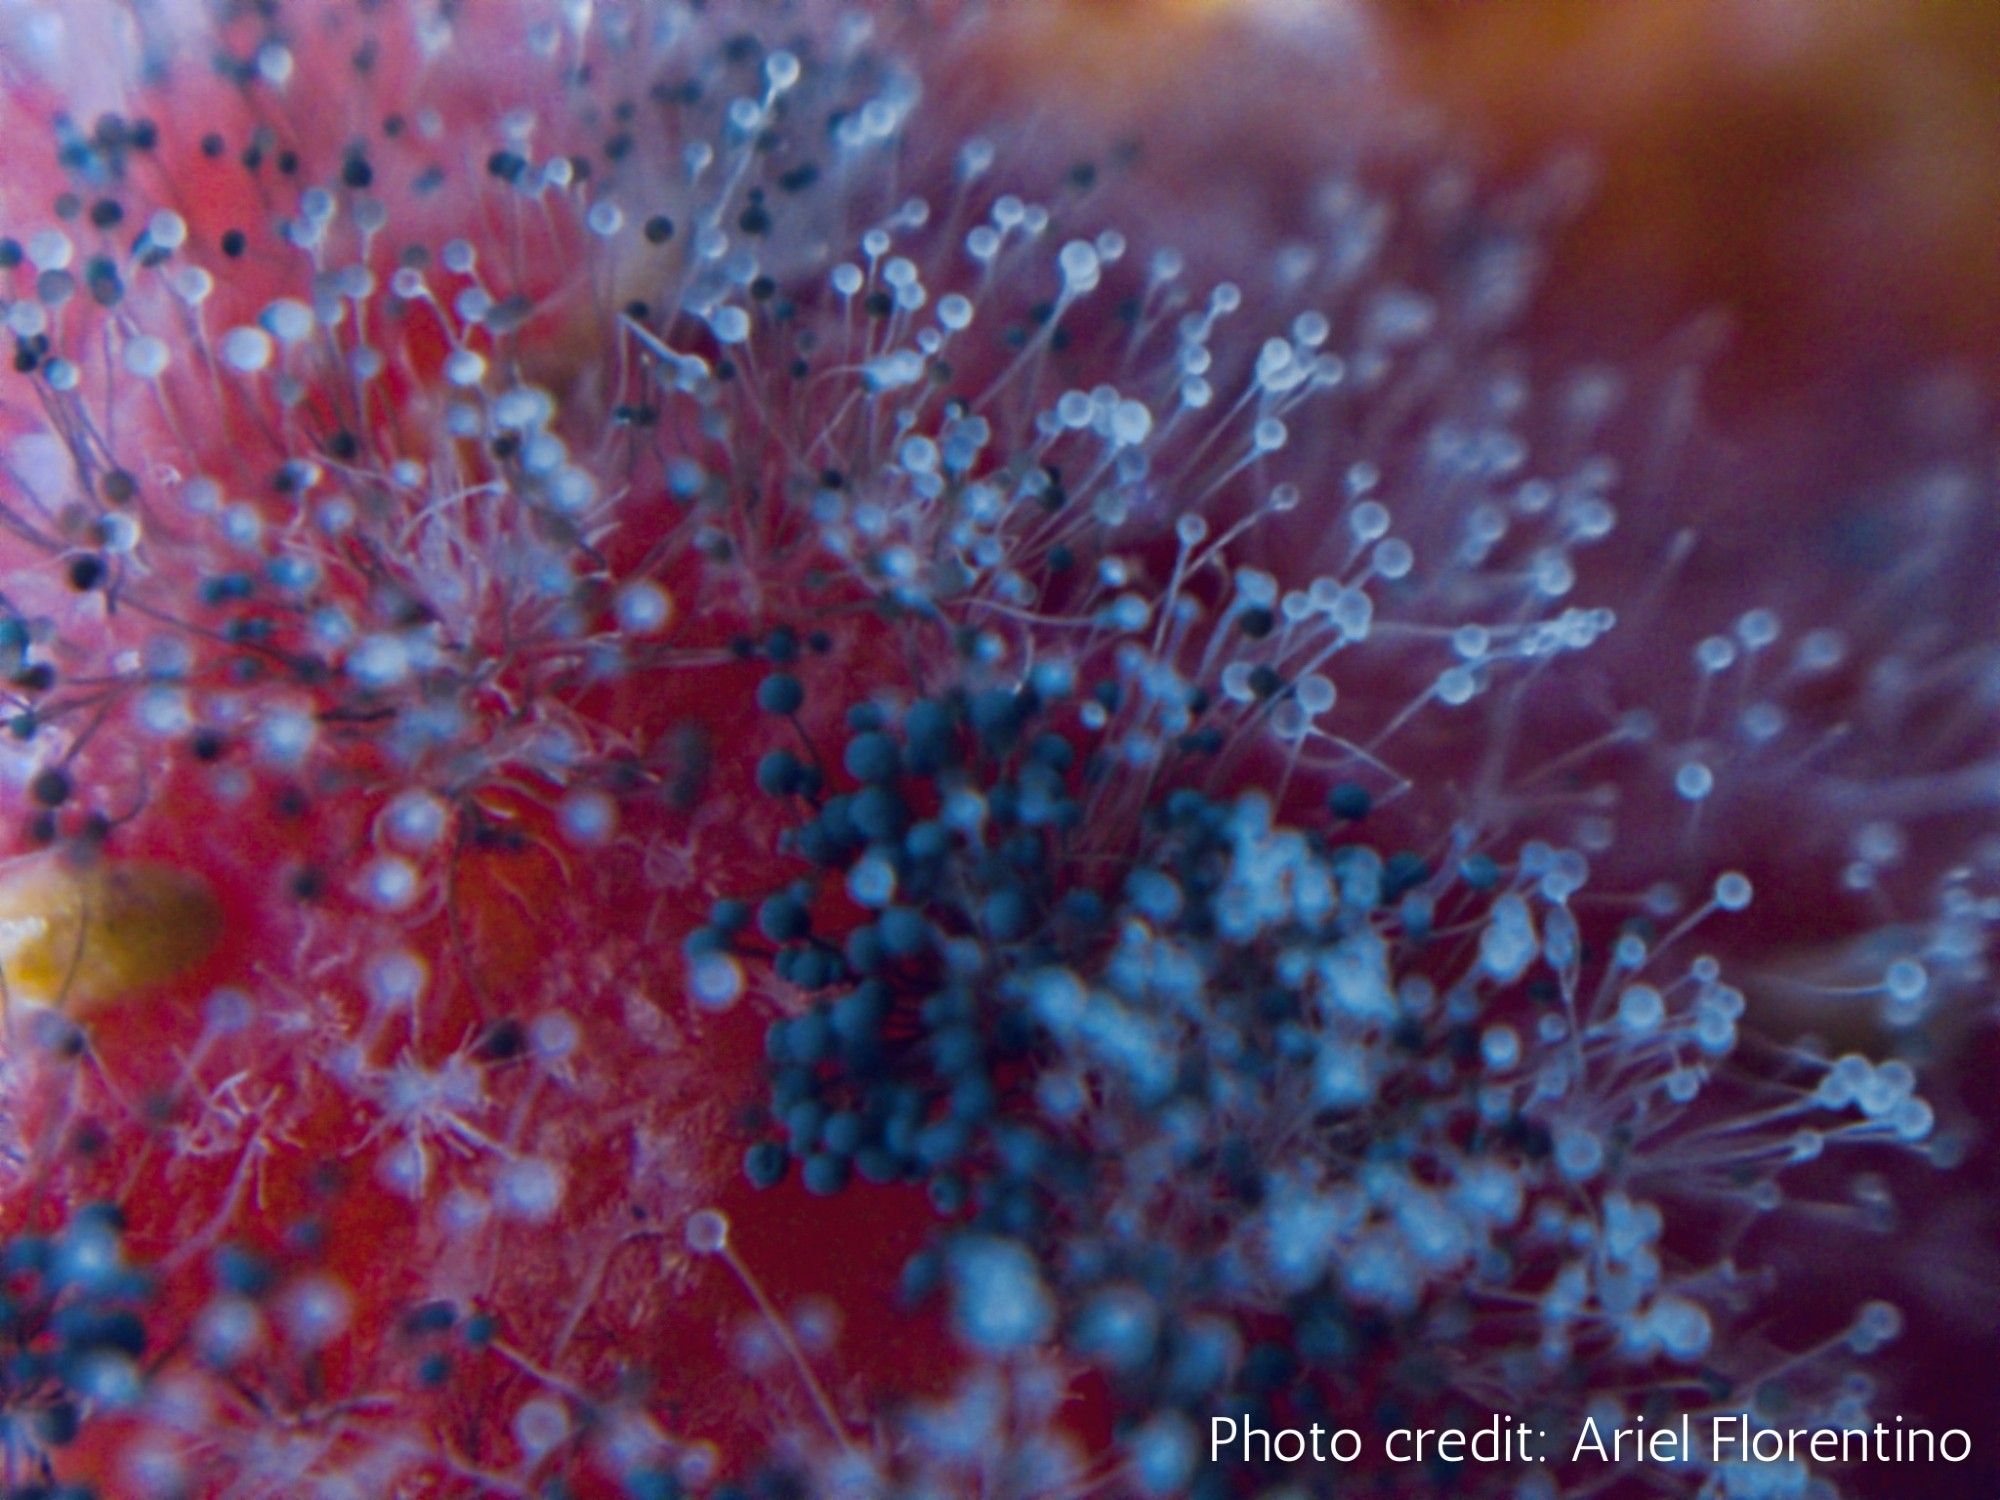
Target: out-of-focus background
1829	173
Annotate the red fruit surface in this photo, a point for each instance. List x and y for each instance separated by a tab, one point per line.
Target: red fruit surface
458	814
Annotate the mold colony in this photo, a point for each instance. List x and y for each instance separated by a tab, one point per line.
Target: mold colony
680	707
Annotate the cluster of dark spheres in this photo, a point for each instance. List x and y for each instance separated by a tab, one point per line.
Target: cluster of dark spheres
71	1338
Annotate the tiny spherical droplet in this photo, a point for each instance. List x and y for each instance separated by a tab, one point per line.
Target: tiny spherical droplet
317	1311
529	1189
707	1232
644	608
287	320
1694	781
246	349
464	367
390	884
715	980
588	817
146	357
1732	891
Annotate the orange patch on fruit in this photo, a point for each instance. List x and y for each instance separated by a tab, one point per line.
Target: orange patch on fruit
87	933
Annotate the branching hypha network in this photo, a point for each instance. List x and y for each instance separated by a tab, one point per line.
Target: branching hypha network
655	651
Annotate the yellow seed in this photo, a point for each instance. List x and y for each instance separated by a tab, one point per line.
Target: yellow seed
86	933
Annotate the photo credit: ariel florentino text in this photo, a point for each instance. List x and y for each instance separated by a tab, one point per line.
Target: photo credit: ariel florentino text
1719	1438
